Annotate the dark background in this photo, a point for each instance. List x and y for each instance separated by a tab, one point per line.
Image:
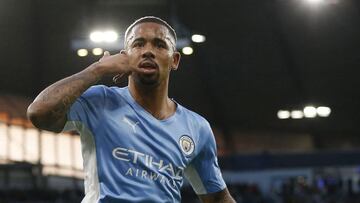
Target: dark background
259	57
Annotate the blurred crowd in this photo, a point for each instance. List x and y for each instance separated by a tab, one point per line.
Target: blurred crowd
290	192
40	196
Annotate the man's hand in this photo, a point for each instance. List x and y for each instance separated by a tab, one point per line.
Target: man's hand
111	65
116	66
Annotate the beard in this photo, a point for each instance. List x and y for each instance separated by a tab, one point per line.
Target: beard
147	79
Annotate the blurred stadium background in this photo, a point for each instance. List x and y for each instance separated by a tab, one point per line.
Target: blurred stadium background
277	79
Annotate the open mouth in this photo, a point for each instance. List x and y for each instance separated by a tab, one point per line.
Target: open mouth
148	66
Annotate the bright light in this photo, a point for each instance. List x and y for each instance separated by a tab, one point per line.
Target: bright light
323	111
198	38
82	52
110	36
97	36
187	50
97	51
314	1
310	112
282	114
107	36
296	114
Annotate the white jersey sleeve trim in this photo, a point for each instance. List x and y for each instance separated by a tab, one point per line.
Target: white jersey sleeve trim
193	177
91	178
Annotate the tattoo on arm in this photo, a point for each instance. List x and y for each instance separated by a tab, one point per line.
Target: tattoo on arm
52	104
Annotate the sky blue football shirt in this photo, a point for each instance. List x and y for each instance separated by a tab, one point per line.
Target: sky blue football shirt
130	156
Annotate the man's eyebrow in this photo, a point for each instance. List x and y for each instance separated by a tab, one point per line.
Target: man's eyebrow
138	39
159	40
132	39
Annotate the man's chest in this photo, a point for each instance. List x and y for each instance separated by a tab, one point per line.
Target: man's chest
133	139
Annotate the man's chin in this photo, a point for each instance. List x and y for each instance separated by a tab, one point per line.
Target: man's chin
148	80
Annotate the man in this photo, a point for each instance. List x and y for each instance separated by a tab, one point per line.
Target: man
137	143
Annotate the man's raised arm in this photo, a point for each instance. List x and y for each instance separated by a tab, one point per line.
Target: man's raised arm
48	110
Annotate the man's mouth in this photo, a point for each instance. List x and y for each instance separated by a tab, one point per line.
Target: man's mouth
148	66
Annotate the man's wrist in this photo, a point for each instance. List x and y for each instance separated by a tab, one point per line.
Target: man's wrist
96	72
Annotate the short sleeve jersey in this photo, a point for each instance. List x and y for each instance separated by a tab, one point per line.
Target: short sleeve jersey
130	156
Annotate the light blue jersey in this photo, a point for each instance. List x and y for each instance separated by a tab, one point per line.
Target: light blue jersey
130	156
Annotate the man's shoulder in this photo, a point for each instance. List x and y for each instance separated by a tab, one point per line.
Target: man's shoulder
103	90
100	88
95	90
200	128
190	114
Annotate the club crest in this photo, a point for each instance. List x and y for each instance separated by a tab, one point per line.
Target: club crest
186	144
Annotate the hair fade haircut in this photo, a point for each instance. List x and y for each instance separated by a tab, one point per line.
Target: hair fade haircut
151	19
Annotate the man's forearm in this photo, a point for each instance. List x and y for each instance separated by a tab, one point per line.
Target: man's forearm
48	110
218	197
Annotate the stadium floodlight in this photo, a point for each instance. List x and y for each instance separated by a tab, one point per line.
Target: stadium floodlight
82	52
197	38
310	112
104	36
187	50
323	111
283	114
296	114
97	36
314	1
110	36
97	51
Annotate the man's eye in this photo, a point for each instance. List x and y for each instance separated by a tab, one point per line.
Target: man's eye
161	45
137	44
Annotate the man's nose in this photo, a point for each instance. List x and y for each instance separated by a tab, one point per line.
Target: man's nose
148	52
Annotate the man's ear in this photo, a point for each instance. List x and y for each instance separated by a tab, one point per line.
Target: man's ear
175	60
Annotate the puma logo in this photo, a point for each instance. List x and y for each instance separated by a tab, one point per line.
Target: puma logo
129	122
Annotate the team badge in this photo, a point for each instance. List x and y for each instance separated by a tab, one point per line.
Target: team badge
187	144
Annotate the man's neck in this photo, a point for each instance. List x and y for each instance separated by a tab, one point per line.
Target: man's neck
153	99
